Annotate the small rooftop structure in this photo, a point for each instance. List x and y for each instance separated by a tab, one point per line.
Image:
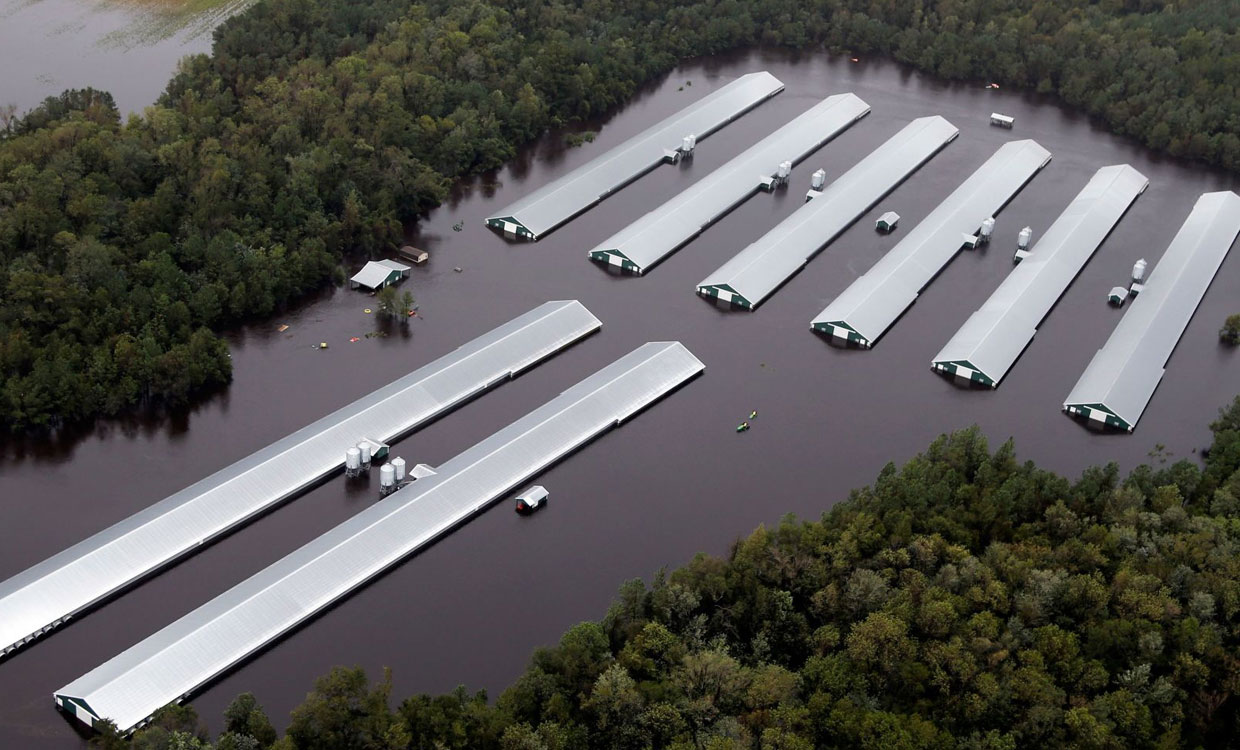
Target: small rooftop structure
1120	380
639	246
1003	121
48	594
536	214
414	255
887	222
992	339
872	303
175	661
377	274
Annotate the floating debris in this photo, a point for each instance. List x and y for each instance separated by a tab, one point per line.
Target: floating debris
458	226
753	414
354	340
742	427
283	327
457	269
855	59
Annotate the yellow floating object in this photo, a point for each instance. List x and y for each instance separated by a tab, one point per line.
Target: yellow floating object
322	344
367	311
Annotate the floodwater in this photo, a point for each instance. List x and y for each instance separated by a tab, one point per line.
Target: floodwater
675	480
127	47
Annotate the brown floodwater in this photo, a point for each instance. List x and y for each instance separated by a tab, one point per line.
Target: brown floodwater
674	481
127	47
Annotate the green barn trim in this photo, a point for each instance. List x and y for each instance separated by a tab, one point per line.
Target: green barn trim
1099	413
617	259
840	330
965	370
509	225
726	293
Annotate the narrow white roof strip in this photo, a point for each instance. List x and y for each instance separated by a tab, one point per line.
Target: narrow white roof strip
645	242
991	340
754	273
553	204
173	662
869	306
1120	380
44	596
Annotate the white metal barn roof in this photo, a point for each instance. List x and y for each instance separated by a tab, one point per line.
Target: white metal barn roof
755	272
872	303
1120	380
44	596
651	238
991	340
375	273
558	201
174	661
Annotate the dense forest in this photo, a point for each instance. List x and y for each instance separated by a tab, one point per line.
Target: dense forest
320	128
965	600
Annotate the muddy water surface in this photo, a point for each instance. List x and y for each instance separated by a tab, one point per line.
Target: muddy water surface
675	480
127	47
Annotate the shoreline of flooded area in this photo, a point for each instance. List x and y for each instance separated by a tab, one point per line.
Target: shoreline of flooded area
676	479
129	48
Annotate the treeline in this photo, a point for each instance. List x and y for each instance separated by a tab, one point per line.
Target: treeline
318	129
965	600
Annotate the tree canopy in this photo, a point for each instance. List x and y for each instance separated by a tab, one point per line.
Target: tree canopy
318	129
964	600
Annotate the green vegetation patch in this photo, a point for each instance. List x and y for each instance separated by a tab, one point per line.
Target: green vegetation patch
964	600
319	129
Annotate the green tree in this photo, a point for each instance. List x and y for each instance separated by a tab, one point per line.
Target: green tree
388	301
1230	332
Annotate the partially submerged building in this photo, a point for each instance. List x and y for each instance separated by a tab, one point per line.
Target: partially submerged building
172	663
1120	380
639	246
377	274
43	597
533	216
758	270
992	339
868	307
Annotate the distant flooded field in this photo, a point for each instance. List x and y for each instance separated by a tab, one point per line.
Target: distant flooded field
127	47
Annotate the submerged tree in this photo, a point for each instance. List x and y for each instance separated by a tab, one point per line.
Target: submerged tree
1230	332
388	301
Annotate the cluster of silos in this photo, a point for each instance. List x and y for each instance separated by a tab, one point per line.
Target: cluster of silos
357	461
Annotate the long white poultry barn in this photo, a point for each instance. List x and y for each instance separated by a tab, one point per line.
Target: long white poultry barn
533	216
43	597
756	272
639	246
172	663
868	307
992	339
1120	380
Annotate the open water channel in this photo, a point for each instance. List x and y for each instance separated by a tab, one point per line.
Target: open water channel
677	479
